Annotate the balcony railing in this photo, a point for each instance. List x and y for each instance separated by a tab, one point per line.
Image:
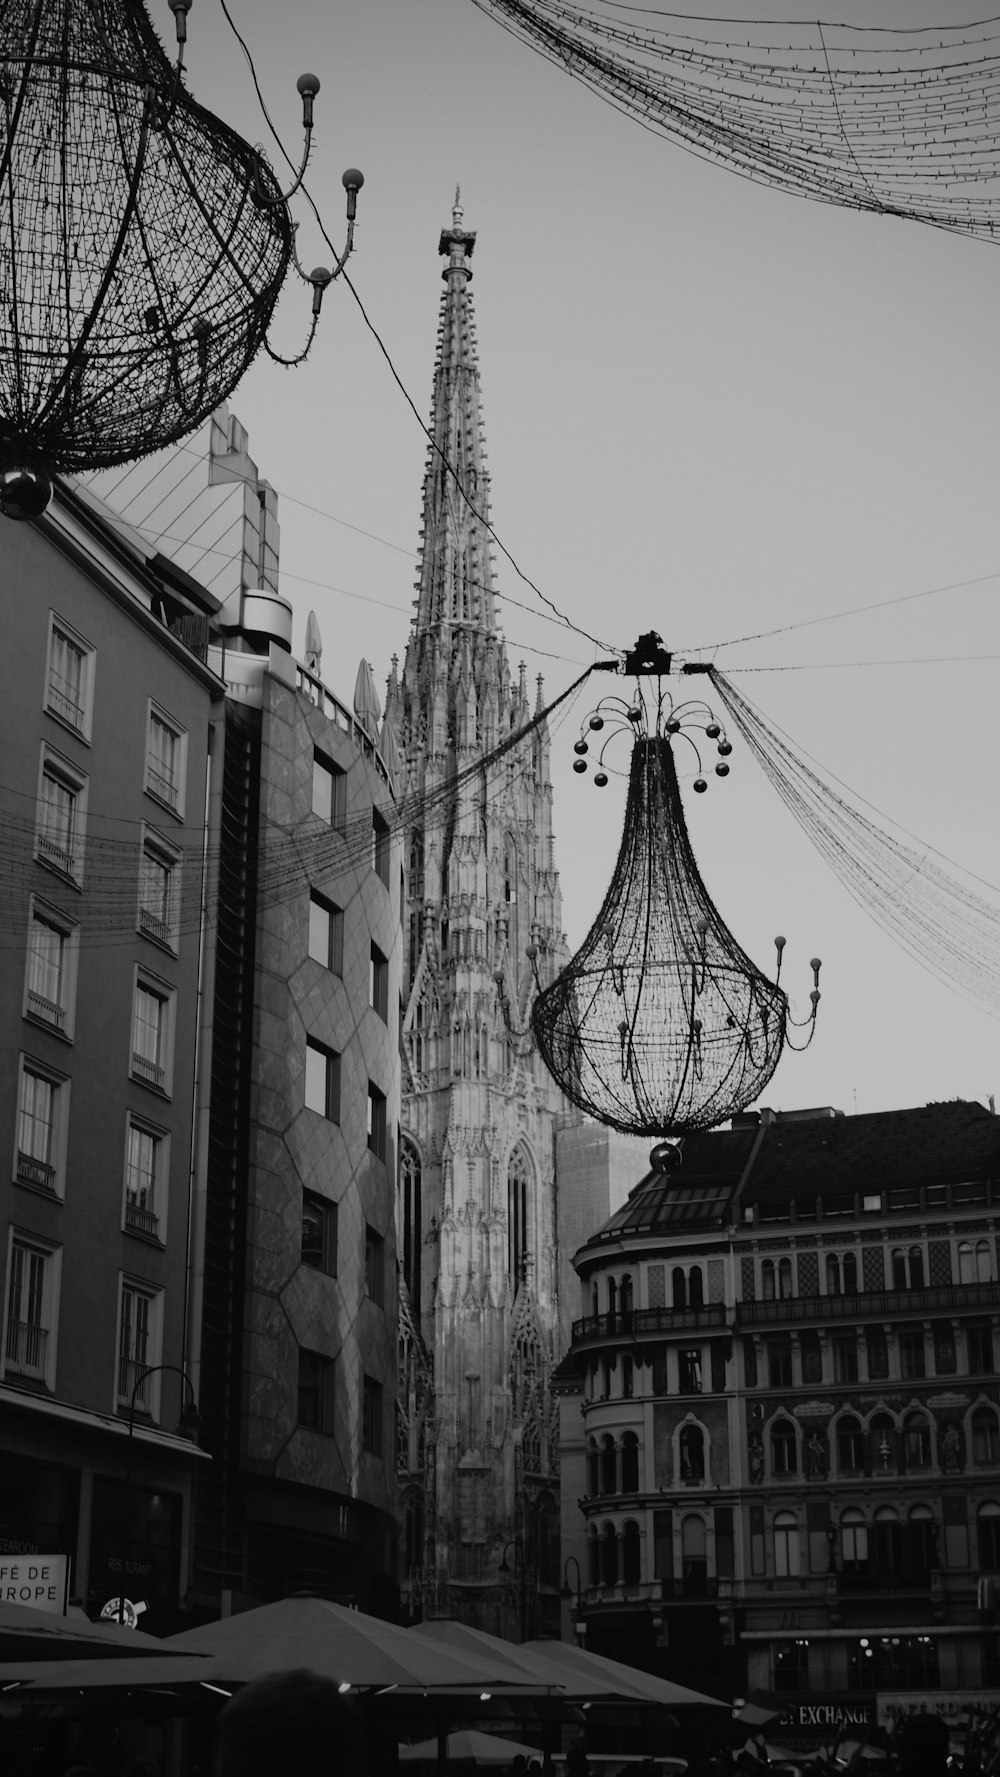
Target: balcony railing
55	855
24	1349
48	1010
884	1304
149	1071
161	786
153	926
35	1172
634	1322
141	1220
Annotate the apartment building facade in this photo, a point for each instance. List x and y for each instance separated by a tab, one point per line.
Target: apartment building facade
781	1415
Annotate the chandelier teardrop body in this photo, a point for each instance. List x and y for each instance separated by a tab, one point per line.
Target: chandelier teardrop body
660	1024
142	242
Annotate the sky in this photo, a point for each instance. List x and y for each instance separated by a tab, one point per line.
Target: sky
712	410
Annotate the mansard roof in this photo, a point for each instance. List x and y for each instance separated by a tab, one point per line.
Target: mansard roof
772	1160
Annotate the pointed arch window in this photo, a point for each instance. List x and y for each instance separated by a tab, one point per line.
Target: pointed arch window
518	1206
410	1223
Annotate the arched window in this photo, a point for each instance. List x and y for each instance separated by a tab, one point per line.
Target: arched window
784	1454
609	1465
594	1298
694	1559
696	1288
776	1277
593	1558
888	1540
786	1545
691	1447
593	1469
627	1376
975	1263
631	1560
410	1223
985	1441
850	1445
679	1284
984	1262
607	1366
609	1556
518	1204
917	1441
988	1527
416	870
853	1541
612	1299
630	1462
625	1301
841	1274
908	1268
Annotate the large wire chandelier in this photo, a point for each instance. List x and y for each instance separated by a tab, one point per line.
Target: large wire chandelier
143	243
661	1024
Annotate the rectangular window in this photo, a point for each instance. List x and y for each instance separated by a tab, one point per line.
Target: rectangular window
371	1436
380	846
159	891
689	1371
146	1173
315	1391
376	1121
40	1145
62	807
319	1233
322	1081
779	1363
70	678
50	972
329	792
326	934
911	1353
374	1266
845	1358
152	1032
140	1321
979	1341
378	984
166	760
29	1346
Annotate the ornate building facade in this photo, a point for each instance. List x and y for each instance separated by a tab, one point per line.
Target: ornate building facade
477	1213
781	1416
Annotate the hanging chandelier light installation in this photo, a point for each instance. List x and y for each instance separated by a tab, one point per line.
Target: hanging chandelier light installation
661	1024
143	243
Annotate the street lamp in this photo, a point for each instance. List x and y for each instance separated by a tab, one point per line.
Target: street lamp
187	1426
568	1591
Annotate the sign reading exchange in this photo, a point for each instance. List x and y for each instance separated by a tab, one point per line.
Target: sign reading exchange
39	1580
825	1715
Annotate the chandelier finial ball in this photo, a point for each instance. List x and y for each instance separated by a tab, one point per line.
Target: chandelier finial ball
665	1157
635	713
700	784
581	746
597	723
24	493
307	85
722	770
579	764
713	730
600	779
725	748
673	726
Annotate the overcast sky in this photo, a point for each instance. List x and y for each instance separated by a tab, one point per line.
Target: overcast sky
711	409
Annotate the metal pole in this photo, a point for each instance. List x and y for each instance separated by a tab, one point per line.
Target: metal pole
153	1370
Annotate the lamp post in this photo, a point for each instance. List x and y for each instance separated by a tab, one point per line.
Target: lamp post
576	1593
188	1427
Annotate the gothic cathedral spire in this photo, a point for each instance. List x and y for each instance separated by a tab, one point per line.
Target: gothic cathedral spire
477	1233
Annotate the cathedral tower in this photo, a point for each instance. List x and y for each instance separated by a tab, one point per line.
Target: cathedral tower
477	1228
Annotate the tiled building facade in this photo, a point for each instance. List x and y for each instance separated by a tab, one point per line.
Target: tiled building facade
781	1411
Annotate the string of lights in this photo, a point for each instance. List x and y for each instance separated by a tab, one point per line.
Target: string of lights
949	927
110	887
896	122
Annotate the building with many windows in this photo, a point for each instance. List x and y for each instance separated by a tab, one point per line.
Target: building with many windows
108	715
781	1412
200	1083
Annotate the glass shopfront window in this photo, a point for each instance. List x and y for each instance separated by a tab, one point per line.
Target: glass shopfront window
134	1548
